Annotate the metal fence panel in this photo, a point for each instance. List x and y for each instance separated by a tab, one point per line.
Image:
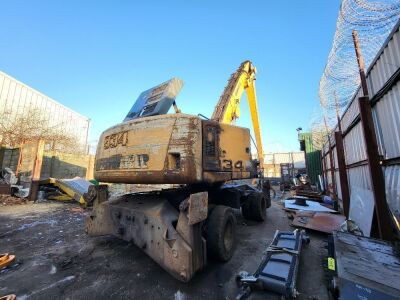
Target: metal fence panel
383	78
387	114
392	185
385	66
338	187
335	160
361	198
354	146
350	114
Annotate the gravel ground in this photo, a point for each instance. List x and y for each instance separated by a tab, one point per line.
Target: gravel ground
57	260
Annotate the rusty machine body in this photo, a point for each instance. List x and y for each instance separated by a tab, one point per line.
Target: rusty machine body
180	227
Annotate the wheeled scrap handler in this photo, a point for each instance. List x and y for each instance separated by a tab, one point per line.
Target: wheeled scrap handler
209	158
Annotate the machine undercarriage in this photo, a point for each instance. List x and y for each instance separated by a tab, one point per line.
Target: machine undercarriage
178	228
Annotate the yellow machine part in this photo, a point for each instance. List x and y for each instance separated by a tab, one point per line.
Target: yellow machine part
70	194
227	109
6	259
234	143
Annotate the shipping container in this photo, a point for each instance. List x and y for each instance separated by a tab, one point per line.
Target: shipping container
313	157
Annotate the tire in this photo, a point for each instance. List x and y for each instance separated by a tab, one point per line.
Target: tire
221	233
255	207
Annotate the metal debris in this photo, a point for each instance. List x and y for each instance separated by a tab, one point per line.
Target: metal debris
6	259
278	269
365	268
323	222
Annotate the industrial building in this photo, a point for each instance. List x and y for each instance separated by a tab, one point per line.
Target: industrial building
278	164
18	99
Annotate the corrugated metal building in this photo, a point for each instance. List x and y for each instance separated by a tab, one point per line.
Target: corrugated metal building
273	163
384	92
17	98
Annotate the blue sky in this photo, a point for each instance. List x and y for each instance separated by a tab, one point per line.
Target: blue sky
96	57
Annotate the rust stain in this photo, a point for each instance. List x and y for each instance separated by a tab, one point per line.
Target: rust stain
169	149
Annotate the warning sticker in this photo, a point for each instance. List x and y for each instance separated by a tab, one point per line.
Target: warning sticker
331	263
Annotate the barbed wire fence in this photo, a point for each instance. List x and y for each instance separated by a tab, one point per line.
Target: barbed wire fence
373	20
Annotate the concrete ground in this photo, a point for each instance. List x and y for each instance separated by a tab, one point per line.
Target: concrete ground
57	260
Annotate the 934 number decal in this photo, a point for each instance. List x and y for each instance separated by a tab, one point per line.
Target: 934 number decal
113	140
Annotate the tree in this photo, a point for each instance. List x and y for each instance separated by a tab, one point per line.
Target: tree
18	129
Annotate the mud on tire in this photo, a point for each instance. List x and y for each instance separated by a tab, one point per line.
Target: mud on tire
255	207
220	233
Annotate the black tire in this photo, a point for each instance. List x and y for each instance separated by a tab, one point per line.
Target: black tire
221	233
255	207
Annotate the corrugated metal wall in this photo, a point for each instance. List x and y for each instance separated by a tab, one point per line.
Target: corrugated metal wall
273	161
387	116
384	91
17	98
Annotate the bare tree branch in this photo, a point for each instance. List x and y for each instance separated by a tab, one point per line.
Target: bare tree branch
32	126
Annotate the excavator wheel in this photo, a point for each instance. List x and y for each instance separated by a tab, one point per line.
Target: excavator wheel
221	233
255	207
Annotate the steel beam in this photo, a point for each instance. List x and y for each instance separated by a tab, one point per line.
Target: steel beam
344	184
375	169
360	61
332	163
324	169
37	168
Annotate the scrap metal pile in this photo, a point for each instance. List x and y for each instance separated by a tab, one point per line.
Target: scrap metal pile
318	213
75	189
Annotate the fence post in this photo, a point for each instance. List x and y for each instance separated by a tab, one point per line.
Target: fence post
375	170
344	184
382	212
332	163
323	168
37	167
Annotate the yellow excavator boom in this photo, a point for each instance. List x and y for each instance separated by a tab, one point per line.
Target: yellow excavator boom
227	109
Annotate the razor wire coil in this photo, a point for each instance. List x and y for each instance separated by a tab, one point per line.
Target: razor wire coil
373	20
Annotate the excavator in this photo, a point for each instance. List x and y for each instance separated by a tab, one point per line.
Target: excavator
208	161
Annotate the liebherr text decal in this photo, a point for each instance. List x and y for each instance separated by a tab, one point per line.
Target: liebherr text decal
118	162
